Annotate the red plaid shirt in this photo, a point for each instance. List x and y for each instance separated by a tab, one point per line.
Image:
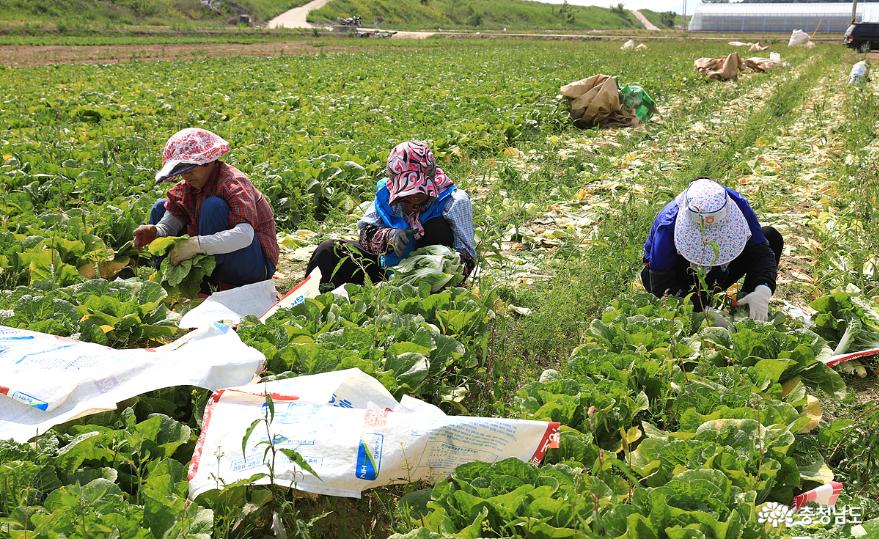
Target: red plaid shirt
246	205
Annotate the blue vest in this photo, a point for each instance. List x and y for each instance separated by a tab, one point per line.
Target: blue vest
394	219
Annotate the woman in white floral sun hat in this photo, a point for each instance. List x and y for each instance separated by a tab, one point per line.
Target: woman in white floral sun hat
712	227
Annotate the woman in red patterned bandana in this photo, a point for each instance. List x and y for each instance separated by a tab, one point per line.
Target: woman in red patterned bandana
415	206
217	206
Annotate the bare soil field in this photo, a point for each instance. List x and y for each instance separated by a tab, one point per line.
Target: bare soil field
36	55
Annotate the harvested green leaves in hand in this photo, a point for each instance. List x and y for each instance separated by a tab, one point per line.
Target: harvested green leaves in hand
185	278
436	265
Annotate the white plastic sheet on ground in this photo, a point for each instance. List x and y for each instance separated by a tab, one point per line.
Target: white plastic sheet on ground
823	495
232	305
46	380
353	433
307	288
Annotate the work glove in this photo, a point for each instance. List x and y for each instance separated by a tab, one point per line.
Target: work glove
717	318
758	302
398	239
144	235
185	250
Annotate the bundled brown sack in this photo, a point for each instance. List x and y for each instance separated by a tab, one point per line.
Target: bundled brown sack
728	67
724	68
596	101
758	65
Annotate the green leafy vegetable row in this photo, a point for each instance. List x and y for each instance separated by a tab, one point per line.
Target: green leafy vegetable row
671	429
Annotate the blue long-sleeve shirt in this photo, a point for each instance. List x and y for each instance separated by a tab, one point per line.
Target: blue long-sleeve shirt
669	271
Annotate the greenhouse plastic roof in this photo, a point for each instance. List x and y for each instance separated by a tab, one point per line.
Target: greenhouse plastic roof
868	11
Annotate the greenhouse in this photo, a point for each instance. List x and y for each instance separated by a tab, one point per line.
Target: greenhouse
811	17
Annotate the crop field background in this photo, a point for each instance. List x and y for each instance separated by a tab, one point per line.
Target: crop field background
670	428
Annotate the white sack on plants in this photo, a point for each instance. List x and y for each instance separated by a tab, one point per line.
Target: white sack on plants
46	380
352	432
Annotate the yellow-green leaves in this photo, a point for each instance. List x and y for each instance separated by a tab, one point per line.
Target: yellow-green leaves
162	246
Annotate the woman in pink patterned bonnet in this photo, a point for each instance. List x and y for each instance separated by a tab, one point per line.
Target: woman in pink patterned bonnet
712	227
217	206
415	206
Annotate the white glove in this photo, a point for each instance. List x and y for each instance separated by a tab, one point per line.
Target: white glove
758	301
399	240
185	250
718	319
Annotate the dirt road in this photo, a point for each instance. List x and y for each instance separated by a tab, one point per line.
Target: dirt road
296	17
645	21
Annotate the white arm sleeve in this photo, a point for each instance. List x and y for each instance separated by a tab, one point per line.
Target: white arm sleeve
226	241
169	225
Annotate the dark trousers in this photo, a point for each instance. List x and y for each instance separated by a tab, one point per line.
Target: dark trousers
343	262
244	266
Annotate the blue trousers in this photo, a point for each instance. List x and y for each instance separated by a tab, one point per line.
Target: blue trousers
244	266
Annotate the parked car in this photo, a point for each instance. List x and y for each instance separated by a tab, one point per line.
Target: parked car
863	36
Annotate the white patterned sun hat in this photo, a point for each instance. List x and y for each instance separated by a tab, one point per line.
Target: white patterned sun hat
710	229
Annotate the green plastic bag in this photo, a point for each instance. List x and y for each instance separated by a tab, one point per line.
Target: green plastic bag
634	97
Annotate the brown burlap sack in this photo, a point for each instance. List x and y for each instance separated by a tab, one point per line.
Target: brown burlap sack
596	101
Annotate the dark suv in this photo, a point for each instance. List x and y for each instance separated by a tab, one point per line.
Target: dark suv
863	36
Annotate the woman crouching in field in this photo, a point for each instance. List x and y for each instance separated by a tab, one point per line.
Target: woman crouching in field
215	203
415	206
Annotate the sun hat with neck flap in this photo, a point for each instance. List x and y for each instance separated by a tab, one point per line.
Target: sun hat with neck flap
710	229
189	148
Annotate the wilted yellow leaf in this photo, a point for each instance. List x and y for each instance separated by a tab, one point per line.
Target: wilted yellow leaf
88	271
789	386
631	436
821	474
112	267
105	270
106	329
813	412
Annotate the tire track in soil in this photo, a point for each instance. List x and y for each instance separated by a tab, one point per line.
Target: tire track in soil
799	191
